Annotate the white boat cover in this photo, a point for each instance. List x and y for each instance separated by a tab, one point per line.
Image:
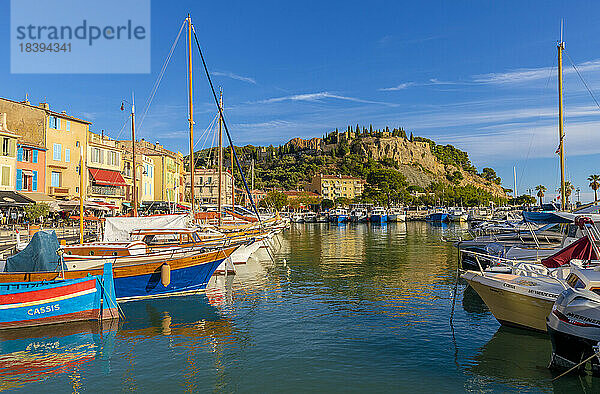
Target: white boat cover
117	229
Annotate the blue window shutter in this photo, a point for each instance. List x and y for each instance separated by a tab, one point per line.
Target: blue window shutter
34	184
20	154
19	179
57	123
35	153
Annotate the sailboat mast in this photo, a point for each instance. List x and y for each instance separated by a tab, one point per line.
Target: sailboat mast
191	118
220	157
232	183
81	211
134	189
561	133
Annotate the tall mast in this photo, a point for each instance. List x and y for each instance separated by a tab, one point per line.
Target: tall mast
232	183
561	134
81	212
135	195
220	156
191	118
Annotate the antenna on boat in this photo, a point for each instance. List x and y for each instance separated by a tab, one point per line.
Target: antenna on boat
561	133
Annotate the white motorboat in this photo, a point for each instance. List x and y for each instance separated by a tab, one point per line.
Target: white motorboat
574	324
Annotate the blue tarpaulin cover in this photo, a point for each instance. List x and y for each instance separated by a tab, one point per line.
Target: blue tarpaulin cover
39	255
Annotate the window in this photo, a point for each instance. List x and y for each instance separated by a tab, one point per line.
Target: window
67	155
111	158
68	125
54	122
574	281
26	155
26	182
97	155
55	179
76	189
5	146
5	176
56	152
77	144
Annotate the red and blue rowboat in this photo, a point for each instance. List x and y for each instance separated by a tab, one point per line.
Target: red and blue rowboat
25	304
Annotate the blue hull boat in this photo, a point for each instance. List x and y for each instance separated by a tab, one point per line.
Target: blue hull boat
25	304
438	217
379	218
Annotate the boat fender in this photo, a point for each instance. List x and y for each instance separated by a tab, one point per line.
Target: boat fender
165	274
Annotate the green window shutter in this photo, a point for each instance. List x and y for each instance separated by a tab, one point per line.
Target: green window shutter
6	176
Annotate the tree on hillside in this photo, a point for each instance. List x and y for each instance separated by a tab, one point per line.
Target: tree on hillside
490	175
541	189
594	184
411	137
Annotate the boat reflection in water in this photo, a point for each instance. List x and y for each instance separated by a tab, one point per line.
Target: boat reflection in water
519	358
36	353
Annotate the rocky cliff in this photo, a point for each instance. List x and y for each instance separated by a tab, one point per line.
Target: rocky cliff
414	159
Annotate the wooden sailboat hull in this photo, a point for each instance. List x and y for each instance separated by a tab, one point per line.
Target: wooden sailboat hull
138	280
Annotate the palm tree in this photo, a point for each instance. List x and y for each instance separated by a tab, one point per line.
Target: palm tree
594	184
568	190
540	192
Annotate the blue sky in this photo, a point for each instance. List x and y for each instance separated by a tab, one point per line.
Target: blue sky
477	75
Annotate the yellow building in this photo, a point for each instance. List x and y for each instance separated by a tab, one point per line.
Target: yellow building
8	156
106	183
166	171
147	179
336	186
66	138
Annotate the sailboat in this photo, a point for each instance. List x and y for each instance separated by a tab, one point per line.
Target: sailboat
146	274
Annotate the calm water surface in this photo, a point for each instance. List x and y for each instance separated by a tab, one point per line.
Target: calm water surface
343	308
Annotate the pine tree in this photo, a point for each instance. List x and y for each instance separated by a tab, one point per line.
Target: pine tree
411	136
370	129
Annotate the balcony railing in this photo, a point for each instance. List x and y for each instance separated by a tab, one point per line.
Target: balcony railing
54	190
106	190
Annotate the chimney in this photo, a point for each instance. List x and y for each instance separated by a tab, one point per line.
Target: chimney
43	105
102	135
63	112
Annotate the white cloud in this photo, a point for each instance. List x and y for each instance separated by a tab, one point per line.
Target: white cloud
398	87
263	125
315	97
532	74
231	75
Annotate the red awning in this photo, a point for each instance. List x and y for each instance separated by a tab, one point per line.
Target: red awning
107	177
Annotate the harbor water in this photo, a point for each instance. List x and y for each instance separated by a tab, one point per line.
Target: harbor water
342	308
